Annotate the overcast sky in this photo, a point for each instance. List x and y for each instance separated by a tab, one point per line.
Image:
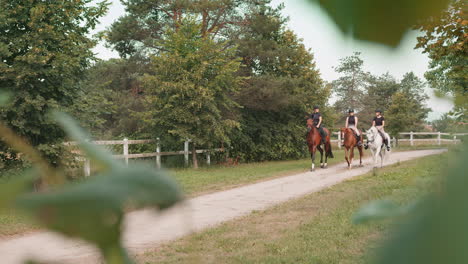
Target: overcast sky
328	45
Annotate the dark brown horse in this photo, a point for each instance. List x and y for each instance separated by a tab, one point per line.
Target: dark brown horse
350	141
314	141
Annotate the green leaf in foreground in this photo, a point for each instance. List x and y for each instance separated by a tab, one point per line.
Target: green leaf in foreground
436	231
4	97
94	210
98	155
381	21
376	210
14	188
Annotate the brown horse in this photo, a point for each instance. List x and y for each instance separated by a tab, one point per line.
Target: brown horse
314	142
350	141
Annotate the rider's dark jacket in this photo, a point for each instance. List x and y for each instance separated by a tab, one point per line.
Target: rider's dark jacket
379	120
351	120
315	117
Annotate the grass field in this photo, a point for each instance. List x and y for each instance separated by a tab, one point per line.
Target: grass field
313	229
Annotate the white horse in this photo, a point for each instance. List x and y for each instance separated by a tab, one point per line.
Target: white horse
375	143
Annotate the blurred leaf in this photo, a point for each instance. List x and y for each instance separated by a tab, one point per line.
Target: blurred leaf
4	97
436	231
14	188
98	155
377	210
94	210
381	21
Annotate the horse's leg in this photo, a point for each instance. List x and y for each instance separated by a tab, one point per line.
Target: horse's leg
346	155
382	156
321	155
360	156
327	150
312	156
351	158
376	155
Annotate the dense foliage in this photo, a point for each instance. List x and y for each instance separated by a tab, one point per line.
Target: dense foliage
44	51
188	88
280	82
445	41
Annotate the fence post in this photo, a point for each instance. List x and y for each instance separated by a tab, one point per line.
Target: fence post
208	158
186	152
455	139
411	138
87	167
158	151
438	138
339	140
394	142
125	150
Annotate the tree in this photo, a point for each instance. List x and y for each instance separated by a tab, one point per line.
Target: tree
146	22
44	50
349	88
378	95
189	86
445	41
407	110
282	86
110	93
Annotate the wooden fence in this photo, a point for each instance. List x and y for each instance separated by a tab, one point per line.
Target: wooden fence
412	140
158	153
186	152
436	137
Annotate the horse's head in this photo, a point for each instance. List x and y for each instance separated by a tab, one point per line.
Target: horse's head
343	130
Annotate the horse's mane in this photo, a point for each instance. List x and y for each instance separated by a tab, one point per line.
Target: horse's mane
373	130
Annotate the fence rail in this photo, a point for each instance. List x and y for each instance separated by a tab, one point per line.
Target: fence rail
412	140
126	155
439	140
186	152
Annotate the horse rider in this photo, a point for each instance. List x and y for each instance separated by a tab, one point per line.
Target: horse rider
379	123
317	121
352	122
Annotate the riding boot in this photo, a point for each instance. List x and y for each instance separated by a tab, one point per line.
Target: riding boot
358	139
387	144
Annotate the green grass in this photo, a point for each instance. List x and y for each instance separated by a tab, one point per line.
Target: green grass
313	229
218	178
13	223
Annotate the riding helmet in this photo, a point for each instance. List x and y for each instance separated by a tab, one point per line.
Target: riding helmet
316	107
351	111
378	111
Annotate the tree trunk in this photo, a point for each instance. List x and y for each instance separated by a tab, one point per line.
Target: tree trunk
194	157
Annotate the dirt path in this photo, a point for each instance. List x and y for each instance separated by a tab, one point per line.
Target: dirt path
146	229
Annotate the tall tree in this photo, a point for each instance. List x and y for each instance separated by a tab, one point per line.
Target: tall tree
349	88
378	95
446	42
283	84
146	22
44	50
189	87
408	109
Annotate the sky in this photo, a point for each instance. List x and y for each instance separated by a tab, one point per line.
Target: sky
328	45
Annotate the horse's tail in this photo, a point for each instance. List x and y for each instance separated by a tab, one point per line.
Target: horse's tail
329	150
